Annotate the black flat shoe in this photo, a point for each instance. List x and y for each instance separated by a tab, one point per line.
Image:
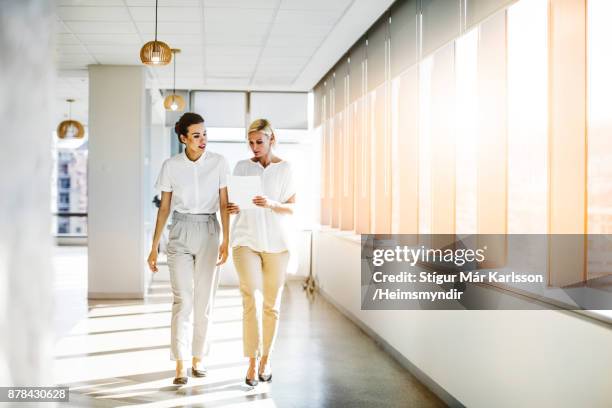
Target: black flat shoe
180	380
265	377
251	383
198	372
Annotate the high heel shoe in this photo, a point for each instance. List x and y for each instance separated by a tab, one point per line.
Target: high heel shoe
251	382
265	377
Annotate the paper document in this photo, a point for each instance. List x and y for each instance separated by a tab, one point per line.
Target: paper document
242	190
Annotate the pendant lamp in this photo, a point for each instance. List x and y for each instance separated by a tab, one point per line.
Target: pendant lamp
70	129
155	52
174	102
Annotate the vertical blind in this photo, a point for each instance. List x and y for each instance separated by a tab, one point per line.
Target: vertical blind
285	110
221	109
389	104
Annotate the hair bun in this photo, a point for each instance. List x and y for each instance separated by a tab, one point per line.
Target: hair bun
186	120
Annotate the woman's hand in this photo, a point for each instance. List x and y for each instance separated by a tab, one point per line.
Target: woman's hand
265	202
223	250
152	260
232	208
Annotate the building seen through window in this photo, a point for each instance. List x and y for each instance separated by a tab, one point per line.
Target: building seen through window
69	190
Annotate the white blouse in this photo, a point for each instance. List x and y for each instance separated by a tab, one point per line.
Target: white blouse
262	229
194	184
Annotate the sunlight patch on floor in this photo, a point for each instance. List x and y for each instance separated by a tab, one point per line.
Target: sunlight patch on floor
119	354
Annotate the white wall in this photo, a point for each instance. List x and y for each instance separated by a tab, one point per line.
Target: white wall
26	81
118	119
530	358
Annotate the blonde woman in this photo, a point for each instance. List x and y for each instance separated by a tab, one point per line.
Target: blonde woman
195	182
260	246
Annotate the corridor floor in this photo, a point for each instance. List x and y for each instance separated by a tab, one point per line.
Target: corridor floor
119	355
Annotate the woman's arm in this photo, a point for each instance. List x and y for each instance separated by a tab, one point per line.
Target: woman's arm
280	208
225	225
162	216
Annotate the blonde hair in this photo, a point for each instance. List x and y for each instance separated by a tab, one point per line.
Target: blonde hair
262	125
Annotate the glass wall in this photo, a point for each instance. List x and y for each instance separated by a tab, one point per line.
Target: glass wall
599	171
454	114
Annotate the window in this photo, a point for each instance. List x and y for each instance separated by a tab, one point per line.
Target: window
347	170
69	185
528	137
425	203
405	151
363	165
527	117
64	198
487	131
63	225
64	183
466	153
599	174
381	155
442	127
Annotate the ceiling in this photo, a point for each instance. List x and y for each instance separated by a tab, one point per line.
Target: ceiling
226	44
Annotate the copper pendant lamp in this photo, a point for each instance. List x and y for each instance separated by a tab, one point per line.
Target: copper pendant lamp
70	129
174	102
155	52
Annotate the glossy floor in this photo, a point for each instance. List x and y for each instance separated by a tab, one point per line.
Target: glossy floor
119	355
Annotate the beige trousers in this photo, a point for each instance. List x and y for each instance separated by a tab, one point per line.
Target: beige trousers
271	268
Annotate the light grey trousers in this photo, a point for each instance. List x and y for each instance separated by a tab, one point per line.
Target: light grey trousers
193	246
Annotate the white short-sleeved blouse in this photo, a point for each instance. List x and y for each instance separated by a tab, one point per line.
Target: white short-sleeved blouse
194	184
262	229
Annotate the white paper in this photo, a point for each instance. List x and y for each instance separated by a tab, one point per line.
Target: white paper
242	190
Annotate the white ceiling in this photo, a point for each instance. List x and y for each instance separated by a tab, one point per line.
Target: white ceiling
226	44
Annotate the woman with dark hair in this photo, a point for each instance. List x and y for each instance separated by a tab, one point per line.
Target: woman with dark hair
194	185
261	241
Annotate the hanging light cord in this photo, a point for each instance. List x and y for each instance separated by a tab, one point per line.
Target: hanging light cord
174	78
156	20
69	110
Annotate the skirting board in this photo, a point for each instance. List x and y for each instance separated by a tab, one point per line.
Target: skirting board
114	295
71	241
403	361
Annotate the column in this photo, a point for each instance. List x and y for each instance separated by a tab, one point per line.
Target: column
117	125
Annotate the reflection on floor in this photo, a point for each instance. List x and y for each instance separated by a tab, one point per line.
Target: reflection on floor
69	286
119	355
